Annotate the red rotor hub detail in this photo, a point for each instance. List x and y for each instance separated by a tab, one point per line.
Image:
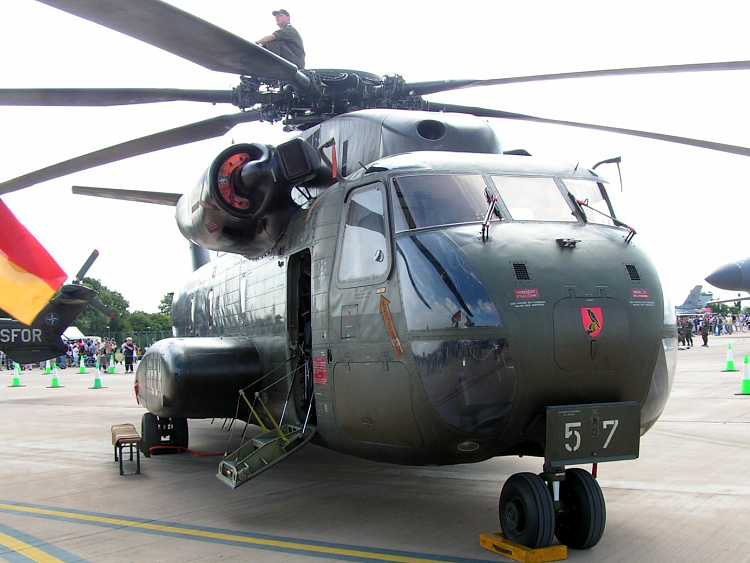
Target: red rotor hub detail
225	181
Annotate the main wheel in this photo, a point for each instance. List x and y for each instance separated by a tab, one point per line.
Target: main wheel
527	514
582	515
150	435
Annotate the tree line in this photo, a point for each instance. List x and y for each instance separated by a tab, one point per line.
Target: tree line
120	319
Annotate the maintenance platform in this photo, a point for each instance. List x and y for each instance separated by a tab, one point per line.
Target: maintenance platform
62	498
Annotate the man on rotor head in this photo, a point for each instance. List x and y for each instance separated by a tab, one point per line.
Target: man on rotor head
285	41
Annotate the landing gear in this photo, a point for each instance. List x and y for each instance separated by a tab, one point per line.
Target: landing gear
169	433
567	504
527	514
582	514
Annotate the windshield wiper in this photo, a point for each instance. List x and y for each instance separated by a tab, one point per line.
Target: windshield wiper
617	222
486	223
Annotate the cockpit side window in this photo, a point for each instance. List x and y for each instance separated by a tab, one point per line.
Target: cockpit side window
364	252
533	199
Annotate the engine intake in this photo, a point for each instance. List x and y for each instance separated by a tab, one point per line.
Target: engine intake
243	203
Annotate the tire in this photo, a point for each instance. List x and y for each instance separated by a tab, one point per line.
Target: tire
527	514
583	514
149	433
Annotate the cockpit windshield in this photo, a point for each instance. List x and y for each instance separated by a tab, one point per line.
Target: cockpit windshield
438	199
533	199
591	193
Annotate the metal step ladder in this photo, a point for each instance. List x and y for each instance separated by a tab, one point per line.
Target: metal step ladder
275	442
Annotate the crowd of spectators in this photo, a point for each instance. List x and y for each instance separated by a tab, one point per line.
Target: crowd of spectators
710	324
92	351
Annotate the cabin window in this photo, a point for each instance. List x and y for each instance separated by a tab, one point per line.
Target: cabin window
243	295
533	199
211	308
590	192
364	250
435	200
219	312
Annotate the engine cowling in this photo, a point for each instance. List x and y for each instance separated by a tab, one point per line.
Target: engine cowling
243	203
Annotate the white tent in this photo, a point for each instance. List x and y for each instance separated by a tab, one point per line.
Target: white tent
72	333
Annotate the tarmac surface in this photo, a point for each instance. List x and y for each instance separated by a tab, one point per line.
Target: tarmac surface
61	496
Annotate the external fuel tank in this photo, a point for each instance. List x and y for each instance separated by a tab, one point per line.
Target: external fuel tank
196	377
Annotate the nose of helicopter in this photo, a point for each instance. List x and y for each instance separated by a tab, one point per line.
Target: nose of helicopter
504	327
729	276
582	311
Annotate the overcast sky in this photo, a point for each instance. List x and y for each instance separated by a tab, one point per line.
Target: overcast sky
689	206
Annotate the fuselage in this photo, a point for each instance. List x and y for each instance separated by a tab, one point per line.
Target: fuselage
432	343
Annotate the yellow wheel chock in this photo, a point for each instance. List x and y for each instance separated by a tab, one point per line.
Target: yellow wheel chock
496	543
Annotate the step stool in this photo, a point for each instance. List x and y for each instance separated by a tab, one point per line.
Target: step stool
126	435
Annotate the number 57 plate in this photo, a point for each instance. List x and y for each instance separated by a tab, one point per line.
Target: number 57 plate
600	432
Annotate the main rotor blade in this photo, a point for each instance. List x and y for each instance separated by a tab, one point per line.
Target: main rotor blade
434	86
207	129
141	196
485	112
107	96
185	35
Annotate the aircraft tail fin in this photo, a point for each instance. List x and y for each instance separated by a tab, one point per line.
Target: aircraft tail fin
696	300
693	298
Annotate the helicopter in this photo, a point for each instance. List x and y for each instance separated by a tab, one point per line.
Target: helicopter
43	338
381	274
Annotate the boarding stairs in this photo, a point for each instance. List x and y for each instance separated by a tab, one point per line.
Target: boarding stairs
276	441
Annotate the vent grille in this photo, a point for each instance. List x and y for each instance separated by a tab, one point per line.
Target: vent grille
519	269
633	272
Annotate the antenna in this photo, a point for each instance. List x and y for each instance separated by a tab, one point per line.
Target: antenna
85	268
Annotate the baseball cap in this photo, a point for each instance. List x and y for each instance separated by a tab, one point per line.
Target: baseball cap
281	12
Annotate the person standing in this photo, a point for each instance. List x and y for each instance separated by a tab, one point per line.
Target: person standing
689	334
285	41
128	350
704	332
102	357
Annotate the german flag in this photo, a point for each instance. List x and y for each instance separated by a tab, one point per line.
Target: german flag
29	276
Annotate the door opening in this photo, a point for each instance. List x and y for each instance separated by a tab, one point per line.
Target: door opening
300	334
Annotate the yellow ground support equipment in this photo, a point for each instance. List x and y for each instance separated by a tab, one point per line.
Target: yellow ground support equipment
496	543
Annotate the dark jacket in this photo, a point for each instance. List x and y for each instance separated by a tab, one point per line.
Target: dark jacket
288	44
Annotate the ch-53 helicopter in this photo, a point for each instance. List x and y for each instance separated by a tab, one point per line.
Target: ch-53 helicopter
391	284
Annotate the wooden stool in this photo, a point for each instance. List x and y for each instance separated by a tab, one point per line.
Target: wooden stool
126	435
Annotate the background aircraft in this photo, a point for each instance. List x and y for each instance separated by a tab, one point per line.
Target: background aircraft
696	302
734	276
